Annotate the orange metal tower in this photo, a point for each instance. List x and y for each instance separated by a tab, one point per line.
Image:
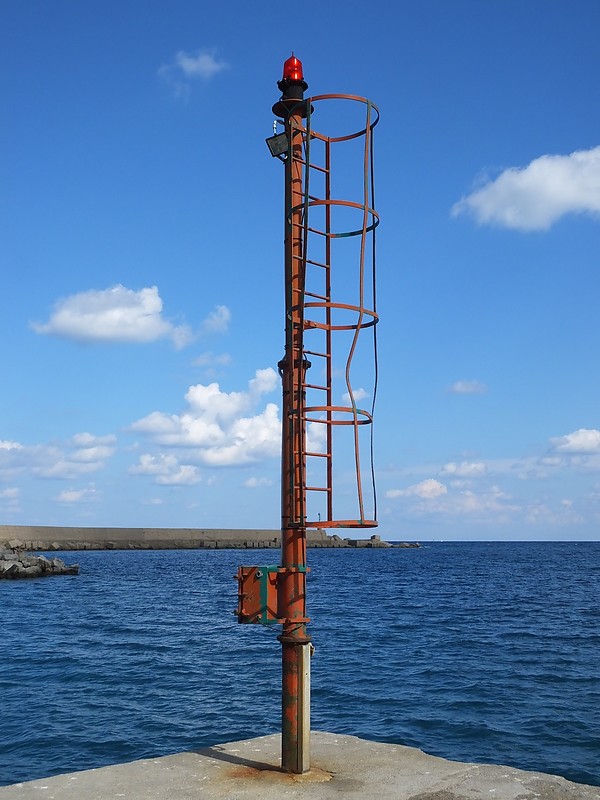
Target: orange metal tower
329	249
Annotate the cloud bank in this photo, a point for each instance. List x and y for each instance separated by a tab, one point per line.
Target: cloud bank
216	429
81	455
538	195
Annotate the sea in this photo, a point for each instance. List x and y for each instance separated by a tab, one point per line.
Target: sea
475	651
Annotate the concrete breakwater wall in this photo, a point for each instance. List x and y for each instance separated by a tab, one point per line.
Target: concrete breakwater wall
44	537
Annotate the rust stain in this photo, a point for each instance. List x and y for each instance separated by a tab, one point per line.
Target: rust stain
276	775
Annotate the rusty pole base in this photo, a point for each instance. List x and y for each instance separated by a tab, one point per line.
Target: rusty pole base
295	705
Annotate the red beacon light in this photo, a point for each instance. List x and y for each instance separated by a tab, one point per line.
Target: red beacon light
292	70
292	87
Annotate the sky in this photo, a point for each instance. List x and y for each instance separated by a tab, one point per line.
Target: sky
141	313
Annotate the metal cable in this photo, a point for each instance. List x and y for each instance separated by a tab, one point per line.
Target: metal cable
358	327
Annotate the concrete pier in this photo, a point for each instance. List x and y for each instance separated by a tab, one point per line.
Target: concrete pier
48	538
342	767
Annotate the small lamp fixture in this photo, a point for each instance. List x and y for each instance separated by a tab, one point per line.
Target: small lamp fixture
277	145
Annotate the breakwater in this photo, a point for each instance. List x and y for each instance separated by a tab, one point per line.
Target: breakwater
46	537
14	565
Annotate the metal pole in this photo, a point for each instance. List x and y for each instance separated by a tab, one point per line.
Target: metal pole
295	698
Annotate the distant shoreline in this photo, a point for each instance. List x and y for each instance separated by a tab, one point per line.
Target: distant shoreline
49	537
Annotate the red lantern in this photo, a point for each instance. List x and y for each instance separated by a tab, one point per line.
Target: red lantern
292	70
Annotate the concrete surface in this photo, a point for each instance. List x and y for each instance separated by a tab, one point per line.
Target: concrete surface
342	767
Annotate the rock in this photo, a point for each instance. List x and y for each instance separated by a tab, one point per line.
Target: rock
16	544
45	563
31	571
14	565
8	569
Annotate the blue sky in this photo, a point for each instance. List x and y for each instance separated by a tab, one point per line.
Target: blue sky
142	308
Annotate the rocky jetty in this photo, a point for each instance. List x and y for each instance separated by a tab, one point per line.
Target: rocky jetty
13	565
374	541
377	541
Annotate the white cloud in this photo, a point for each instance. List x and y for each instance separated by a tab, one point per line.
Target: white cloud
160	464
217	321
536	196
186	67
89	440
316	437
583	441
539	513
69	496
466	469
9	494
550	461
219	428
52	464
264	381
468	387
359	394
116	314
256	483
490	504
204	64
92	449
83	454
5	445
489	500
251	439
426	490
186	475
166	470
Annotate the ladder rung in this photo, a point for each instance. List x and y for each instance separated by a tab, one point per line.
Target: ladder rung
312	230
318	488
319	455
317	296
314	386
314	353
312	166
310	197
310	261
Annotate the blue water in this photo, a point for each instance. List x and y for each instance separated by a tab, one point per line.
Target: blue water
474	651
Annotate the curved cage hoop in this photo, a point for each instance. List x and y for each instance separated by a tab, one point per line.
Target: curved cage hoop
340	204
371	317
357	416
